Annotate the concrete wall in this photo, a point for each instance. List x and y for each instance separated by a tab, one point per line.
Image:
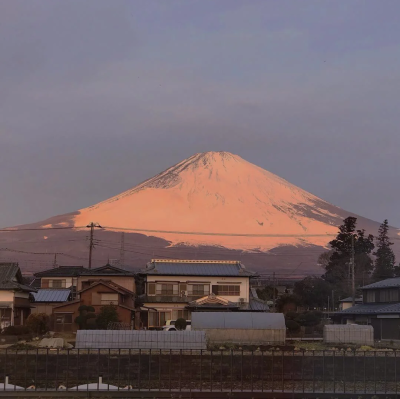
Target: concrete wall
245	336
349	334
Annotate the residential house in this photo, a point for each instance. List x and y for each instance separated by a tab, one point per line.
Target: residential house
347	303
175	288
45	299
97	295
62	277
380	308
15	299
121	277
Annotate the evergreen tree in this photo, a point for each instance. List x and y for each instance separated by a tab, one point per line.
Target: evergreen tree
337	271
385	259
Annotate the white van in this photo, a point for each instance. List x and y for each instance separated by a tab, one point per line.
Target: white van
170	325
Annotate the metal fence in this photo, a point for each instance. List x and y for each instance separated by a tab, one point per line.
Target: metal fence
133	371
135	339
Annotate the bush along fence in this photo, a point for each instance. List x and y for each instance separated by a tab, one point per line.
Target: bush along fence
347	372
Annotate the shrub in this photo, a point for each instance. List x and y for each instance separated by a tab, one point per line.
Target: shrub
180	324
85	314
38	323
292	326
16	330
108	314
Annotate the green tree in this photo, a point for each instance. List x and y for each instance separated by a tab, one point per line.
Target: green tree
267	293
180	324
108	314
38	323
86	317
313	291
337	271
385	259
287	303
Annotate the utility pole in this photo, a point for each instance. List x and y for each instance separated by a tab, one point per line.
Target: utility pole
273	291
122	250
55	261
91	244
353	277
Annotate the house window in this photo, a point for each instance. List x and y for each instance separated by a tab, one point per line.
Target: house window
167	289
153	319
163	317
227	290
389	295
109	299
199	289
57	283
151	289
370	296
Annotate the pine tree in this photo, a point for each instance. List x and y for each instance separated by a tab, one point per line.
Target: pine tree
337	270
385	259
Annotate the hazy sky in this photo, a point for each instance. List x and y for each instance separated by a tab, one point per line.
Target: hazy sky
96	96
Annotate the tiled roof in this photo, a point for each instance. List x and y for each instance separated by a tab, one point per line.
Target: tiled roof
51	295
107	270
372	308
36	283
196	268
11	278
62	271
350	299
388	283
258	305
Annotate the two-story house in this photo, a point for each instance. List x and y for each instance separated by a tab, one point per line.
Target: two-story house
97	294
380	308
15	298
175	288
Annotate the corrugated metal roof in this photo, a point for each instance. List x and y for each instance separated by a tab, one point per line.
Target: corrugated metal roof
197	268
372	308
51	295
238	320
390	282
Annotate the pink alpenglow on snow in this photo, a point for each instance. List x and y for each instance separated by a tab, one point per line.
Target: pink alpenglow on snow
219	193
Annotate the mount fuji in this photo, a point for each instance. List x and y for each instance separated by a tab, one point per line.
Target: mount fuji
212	205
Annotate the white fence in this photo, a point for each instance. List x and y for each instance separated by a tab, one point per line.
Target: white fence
349	334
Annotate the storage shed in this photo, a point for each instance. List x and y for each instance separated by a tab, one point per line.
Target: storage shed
349	334
241	328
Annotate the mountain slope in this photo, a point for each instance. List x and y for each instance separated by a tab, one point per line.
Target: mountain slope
213	205
220	193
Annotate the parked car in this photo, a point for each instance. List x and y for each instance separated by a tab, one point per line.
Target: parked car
170	325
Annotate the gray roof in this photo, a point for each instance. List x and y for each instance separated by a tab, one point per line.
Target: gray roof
372	308
62	271
388	283
258	305
106	270
238	320
196	268
52	295
350	299
11	278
